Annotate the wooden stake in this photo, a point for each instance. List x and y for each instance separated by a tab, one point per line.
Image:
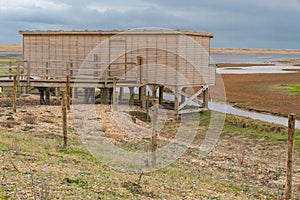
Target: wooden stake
155	130
64	115
290	159
15	95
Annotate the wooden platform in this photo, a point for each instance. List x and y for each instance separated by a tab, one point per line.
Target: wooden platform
60	83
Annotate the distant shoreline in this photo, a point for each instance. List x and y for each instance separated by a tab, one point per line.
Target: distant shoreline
11	48
253	51
19	48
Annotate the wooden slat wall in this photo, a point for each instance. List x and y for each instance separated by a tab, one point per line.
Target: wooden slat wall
162	55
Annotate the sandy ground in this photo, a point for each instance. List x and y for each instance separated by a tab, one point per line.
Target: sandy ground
253	51
11	47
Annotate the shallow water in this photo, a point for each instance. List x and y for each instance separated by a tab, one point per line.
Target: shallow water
228	109
258	70
251	58
11	54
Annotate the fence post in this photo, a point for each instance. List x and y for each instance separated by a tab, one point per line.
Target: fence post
64	116
154	133
68	87
15	95
290	155
18	72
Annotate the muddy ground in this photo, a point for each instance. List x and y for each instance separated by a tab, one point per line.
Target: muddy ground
262	92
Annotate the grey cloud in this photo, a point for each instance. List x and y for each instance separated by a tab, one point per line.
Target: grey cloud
256	23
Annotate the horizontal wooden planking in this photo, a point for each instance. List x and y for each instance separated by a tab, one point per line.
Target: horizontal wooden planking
161	50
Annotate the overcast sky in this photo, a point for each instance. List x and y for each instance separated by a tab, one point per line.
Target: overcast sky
235	23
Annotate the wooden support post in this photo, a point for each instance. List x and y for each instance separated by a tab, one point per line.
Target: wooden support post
15	95
131	96
154	91
290	157
68	90
64	116
155	131
161	94
140	92
115	98
143	96
121	93
48	96
205	98
28	75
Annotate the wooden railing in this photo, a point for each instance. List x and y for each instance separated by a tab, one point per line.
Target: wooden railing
29	70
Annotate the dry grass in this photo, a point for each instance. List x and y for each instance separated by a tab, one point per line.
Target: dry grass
247	163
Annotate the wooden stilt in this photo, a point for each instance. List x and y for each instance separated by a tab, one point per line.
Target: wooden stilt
143	96
115	98
121	94
131	96
154	90
161	94
48	96
205	98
